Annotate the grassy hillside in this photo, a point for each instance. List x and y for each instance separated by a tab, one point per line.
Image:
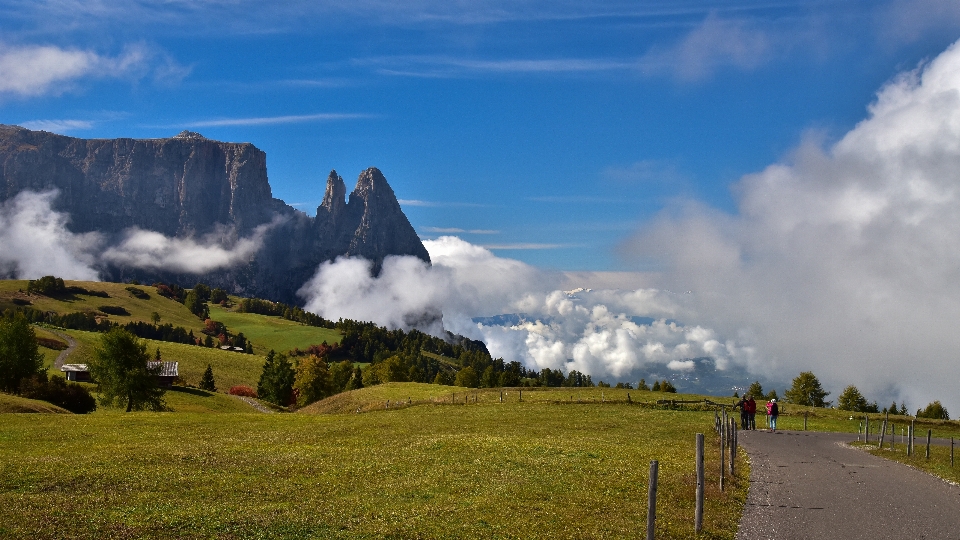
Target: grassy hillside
17	404
274	333
265	332
513	470
170	311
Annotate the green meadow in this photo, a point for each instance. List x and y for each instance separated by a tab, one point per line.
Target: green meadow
396	460
531	469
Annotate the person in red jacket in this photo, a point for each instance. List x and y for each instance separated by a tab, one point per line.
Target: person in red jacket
750	406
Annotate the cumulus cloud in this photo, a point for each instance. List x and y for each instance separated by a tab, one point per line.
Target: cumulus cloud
35	242
34	70
605	333
220	249
842	259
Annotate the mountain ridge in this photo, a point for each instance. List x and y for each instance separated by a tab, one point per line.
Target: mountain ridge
189	186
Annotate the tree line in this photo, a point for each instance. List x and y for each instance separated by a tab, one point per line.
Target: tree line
807	390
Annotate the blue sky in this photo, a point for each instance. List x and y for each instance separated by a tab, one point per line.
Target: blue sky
547	131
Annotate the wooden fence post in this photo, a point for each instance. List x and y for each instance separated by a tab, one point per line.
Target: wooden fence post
652	499
929	435
521	395
951	452
866	428
883	433
804	420
733	446
723	447
698	517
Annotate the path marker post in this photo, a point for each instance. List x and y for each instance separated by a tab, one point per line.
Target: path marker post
652	499
723	447
805	420
929	436
883	433
698	517
951	452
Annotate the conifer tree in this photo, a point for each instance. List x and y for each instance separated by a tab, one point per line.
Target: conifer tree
20	358
276	380
207	382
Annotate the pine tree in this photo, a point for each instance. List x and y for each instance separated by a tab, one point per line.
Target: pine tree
20	358
806	390
276	380
852	400
755	390
207	382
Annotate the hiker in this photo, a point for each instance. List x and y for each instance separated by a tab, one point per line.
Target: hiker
744	416
751	407
772	412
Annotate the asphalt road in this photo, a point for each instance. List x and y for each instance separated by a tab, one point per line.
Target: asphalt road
812	485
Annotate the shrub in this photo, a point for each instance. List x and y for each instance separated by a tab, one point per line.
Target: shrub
114	310
243	390
138	293
47	286
71	396
51	343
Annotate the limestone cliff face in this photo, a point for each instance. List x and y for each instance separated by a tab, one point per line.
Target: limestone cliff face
189	186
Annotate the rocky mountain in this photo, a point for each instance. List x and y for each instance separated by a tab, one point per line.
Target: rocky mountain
188	186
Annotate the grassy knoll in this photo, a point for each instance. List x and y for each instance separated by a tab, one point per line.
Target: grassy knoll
274	333
512	470
17	404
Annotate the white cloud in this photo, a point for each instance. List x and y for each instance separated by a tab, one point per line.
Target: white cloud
716	43
34	70
842	259
35	242
220	249
592	331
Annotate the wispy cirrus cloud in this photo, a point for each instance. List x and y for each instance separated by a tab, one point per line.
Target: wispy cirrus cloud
526	245
455	230
274	120
439	204
446	66
58	126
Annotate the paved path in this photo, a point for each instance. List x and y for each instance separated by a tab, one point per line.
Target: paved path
812	485
71	346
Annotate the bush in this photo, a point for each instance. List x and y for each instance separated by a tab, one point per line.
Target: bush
47	286
71	396
243	390
51	343
138	293
114	310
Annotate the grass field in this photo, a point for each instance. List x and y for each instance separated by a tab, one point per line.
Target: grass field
488	470
274	333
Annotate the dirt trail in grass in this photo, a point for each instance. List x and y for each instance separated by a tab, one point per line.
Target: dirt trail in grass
812	485
71	346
